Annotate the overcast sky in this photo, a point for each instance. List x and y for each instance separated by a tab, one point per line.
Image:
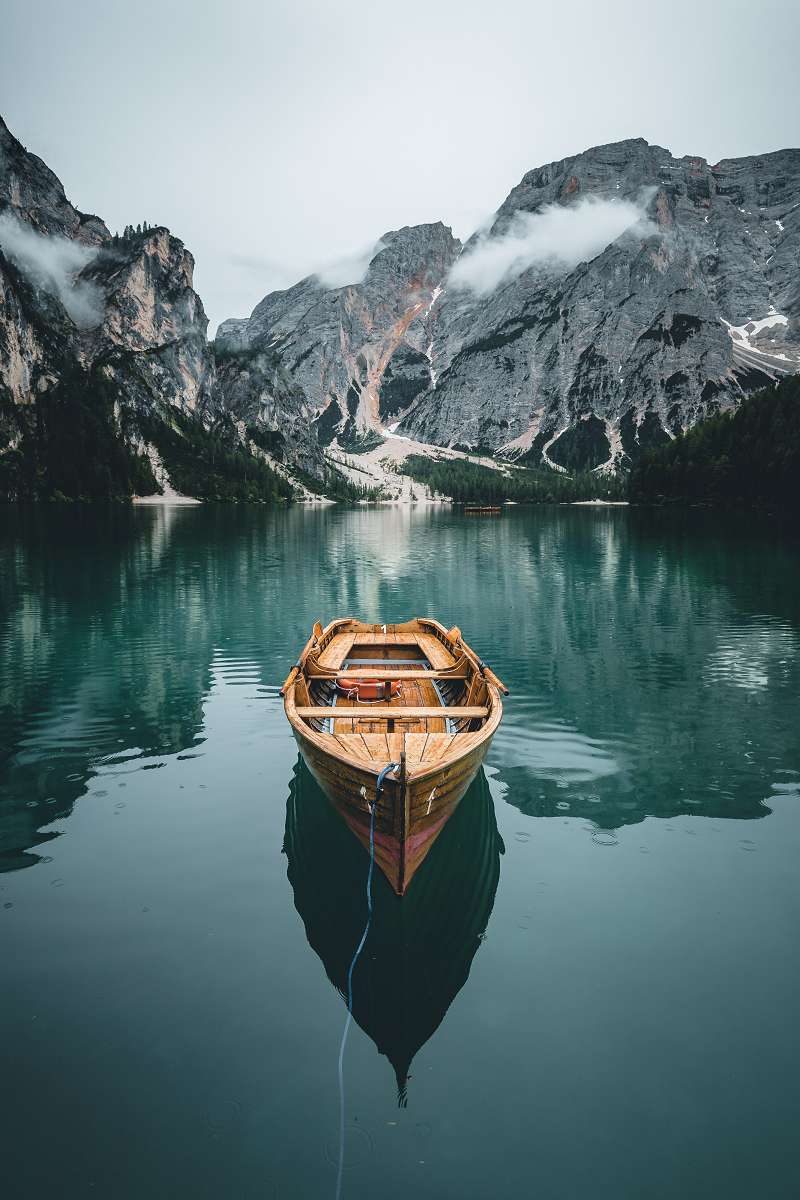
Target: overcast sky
275	138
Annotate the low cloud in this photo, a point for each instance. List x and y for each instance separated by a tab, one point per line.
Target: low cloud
277	274
348	270
557	237
52	263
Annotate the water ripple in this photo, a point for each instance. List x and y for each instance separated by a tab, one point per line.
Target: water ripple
748	658
555	751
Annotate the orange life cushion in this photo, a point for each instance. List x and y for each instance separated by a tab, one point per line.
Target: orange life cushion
369	689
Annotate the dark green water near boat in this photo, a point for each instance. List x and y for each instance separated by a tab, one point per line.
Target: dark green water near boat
592	988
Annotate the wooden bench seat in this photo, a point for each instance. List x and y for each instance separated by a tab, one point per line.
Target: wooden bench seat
337	651
365	673
437	655
372	712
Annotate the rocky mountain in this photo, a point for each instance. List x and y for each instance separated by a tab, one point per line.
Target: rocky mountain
581	365
615	298
362	352
108	384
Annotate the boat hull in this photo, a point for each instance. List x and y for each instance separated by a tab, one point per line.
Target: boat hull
411	811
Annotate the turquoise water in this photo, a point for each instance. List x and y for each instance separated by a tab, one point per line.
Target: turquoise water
592	987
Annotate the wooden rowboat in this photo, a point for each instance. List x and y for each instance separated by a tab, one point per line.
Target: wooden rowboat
433	707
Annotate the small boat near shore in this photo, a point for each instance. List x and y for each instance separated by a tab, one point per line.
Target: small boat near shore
482	510
411	705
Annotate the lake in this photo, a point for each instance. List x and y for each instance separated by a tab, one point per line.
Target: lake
592	987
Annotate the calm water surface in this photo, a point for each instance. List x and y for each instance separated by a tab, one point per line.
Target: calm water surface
593	986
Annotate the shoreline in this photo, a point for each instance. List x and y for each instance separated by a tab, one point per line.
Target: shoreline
181	501
177	501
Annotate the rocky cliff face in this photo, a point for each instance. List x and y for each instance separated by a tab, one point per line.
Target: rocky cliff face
617	297
359	353
106	333
583	365
74	297
36	331
269	407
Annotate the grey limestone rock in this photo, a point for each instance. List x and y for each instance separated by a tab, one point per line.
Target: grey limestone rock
584	366
358	352
77	303
578	364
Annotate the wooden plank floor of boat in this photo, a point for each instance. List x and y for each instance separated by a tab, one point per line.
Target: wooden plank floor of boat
414	693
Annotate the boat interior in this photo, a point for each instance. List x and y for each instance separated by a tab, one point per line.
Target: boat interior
380	694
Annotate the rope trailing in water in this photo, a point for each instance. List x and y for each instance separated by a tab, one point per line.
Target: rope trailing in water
378	788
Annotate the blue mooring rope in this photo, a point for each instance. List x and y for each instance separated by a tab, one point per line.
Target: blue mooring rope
378	787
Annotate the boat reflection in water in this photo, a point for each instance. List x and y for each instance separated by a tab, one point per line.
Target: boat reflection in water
420	946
